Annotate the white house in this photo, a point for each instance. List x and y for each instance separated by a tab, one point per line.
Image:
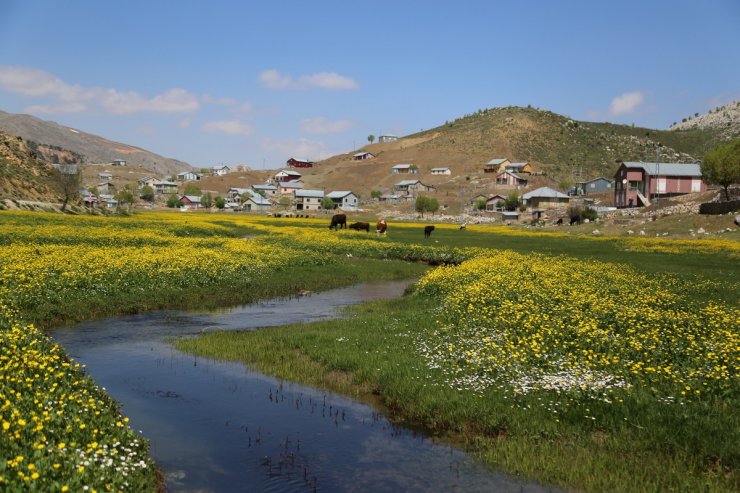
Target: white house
344	199
387	138
220	170
308	200
105	176
164	187
545	198
119	162
256	202
441	171
188	176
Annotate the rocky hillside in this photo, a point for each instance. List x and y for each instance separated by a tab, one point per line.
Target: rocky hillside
57	143
724	120
22	175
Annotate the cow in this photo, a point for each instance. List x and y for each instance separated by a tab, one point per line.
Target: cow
463	226
360	227
575	220
381	226
338	221
559	221
428	231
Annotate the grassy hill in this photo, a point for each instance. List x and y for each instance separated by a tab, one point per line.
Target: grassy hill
561	150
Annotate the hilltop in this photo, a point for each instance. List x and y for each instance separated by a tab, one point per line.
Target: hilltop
56	143
724	120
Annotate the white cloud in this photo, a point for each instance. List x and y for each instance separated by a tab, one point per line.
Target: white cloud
626	103
185	122
321	125
272	79
38	83
300	148
229	127
55	108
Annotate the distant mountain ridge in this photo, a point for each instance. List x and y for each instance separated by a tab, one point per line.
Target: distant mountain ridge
722	119
52	141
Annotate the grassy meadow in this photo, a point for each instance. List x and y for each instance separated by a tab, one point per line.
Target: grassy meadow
598	364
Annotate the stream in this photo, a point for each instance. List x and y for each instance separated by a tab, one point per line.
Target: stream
221	427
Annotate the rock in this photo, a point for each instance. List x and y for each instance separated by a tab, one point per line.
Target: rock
642	232
596	232
665	234
630	232
700	231
586	221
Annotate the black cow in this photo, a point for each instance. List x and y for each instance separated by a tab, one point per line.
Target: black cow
338	221
360	227
428	231
575	220
559	221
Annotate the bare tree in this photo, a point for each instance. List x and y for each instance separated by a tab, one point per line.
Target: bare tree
67	181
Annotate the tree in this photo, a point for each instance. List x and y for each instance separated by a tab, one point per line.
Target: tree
206	200
67	181
721	166
125	197
284	202
147	193
173	201
371	138
191	189
426	204
512	202
376	194
327	203
480	204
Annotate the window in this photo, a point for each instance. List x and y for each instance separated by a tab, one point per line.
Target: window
635	185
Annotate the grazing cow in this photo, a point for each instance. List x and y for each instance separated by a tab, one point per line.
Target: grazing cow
381	226
463	225
574	220
338	221
360	227
428	231
559	221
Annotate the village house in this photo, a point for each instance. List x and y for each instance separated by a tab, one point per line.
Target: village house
495	203
118	162
265	189
190	201
441	171
299	163
234	196
88	199
411	187
510	179
344	200
287	175
164	187
105	176
495	165
404	169
361	156
220	170
108	199
286	187
188	176
106	187
256	202
637	183
545	198
147	180
307	200
393	198
518	167
592	186
387	138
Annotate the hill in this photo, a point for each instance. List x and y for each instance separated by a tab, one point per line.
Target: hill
723	120
53	142
22	176
561	150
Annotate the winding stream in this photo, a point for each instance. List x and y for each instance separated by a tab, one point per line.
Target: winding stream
217	426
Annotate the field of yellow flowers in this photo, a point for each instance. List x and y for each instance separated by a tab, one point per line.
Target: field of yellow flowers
572	328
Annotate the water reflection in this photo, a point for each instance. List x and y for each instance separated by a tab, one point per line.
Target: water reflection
216	426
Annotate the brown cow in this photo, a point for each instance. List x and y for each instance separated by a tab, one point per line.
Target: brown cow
360	227
338	220
381	226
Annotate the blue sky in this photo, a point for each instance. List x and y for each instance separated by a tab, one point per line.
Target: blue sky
258	82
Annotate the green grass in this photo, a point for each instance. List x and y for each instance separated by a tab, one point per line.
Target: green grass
371	356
